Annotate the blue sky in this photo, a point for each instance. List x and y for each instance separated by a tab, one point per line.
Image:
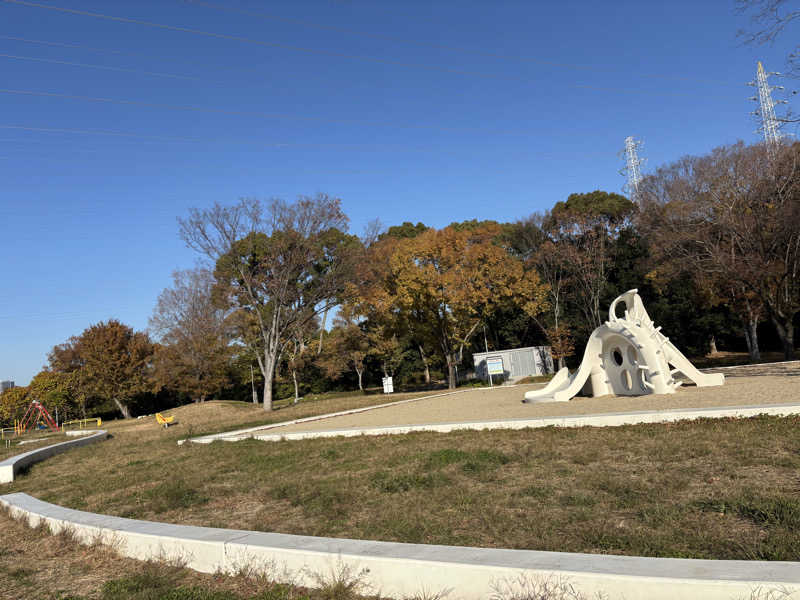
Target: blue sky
417	111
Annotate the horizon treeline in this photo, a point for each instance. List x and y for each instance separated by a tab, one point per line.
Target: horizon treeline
287	302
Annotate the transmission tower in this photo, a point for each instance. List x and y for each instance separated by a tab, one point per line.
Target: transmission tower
770	125
631	168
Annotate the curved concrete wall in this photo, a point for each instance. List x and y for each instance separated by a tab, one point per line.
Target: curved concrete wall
596	420
400	570
11	466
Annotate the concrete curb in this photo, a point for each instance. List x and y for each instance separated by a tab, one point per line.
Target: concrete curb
243	434
11	466
596	420
400	570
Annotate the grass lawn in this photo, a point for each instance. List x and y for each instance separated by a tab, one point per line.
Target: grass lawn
703	489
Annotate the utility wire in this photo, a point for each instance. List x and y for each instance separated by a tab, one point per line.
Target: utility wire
427	44
103	67
274	145
263	115
226	68
68	45
306	50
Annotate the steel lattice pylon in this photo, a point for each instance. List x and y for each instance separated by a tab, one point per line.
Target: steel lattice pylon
770	125
632	167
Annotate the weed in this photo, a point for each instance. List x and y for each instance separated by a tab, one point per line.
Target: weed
392	483
174	494
528	587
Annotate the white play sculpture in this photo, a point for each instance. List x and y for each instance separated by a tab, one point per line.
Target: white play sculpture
627	356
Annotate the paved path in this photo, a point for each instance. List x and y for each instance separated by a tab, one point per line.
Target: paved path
506	403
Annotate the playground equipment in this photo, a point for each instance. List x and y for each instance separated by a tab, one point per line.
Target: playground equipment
35	414
81	423
626	356
164	421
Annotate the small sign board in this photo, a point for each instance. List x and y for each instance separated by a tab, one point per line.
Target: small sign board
494	364
388	386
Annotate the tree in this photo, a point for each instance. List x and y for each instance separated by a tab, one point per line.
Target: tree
734	215
769	19
195	349
446	282
55	391
297	352
581	231
276	267
116	363
537	245
13	404
348	346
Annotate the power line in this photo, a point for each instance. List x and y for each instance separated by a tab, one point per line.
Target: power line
68	45
306	50
72	46
427	44
242	113
276	145
103	67
273	145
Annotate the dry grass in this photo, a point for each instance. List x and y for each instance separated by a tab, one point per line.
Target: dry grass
36	564
705	489
223	415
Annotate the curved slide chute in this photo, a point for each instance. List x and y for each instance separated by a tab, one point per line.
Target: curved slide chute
627	356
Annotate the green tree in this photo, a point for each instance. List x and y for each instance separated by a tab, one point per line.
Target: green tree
55	391
13	404
276	267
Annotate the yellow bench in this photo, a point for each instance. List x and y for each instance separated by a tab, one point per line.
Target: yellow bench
165	421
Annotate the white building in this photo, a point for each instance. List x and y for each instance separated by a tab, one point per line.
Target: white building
6	385
516	362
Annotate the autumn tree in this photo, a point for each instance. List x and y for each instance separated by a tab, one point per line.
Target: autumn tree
447	281
195	341
348	345
734	215
276	266
115	363
13	404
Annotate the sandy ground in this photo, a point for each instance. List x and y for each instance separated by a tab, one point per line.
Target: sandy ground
506	403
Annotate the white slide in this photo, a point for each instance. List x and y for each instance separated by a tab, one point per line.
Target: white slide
626	356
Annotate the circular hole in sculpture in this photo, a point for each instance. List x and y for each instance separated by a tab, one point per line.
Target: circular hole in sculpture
633	355
627	382
616	353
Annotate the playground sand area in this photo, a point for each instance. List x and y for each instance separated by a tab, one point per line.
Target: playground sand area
505	402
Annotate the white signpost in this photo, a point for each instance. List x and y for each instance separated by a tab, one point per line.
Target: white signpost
494	365
388	386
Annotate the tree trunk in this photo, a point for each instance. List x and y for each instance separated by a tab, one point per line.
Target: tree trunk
296	393
360	387
712	344
123	408
561	362
267	395
785	329
751	337
451	373
425	362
